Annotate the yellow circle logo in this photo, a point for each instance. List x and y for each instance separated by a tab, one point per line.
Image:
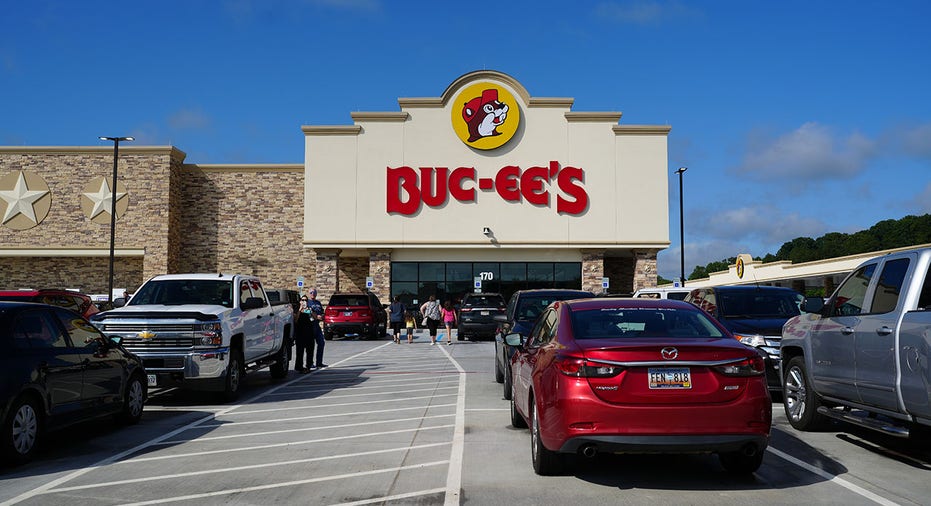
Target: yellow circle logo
740	268
485	116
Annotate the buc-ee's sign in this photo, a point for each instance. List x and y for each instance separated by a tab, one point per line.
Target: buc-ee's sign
409	188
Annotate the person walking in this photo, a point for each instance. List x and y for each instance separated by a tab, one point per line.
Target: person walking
449	319
431	313
411	323
396	311
303	338
316	316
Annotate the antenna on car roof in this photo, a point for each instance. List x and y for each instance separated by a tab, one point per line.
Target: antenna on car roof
219	274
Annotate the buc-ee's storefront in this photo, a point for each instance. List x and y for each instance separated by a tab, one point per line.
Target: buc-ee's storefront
482	188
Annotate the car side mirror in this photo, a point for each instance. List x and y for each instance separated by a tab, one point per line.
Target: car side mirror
813	304
252	303
515	339
119	302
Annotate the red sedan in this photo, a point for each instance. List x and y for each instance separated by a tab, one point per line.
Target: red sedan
638	376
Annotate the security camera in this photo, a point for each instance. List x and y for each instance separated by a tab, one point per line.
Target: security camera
486	231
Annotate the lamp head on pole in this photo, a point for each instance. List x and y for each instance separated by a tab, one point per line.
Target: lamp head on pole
681	170
116	138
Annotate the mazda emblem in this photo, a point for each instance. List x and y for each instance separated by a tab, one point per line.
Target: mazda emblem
670	353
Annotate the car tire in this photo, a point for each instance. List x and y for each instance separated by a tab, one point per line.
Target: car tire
800	401
21	431
373	334
279	369
133	400
327	335
545	462
234	376
517	420
499	374
739	463
507	381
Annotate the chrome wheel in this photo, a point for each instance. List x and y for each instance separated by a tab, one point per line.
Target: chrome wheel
25	429
135	399
800	401
795	392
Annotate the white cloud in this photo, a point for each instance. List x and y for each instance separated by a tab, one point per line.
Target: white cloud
922	200
193	119
916	141
812	151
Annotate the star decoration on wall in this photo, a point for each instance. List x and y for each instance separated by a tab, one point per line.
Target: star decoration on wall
102	199
20	200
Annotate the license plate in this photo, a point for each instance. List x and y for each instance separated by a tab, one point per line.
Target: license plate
347	313
485	313
669	378
153	380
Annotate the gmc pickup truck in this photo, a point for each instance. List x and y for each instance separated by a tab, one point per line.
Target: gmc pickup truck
203	331
864	356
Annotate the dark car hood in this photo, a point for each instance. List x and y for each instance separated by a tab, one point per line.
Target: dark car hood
762	326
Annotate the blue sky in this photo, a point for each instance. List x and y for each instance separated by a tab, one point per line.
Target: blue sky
795	118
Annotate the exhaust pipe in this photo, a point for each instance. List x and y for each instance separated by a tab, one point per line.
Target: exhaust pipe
589	451
749	450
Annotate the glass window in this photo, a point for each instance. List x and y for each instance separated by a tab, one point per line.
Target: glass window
39	330
404	271
848	301
407	291
889	286
81	332
432	271
459	271
627	323
514	272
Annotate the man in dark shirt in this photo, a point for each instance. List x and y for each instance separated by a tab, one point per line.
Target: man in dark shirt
316	316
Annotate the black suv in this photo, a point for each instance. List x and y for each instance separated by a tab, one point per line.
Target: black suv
755	315
522	311
480	315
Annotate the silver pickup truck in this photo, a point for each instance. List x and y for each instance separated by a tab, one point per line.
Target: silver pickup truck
203	331
864	356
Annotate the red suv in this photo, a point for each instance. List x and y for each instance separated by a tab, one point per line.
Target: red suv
75	301
361	314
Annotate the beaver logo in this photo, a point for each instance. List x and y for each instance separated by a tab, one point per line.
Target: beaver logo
484	115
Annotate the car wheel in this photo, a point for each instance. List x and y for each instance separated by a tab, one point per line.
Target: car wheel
21	431
800	401
282	360
517	421
234	376
499	375
507	381
740	463
545	462
134	401
328	335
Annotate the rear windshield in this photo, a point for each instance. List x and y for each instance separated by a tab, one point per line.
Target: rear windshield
349	300
175	292
16	297
530	307
484	301
759	304
624	323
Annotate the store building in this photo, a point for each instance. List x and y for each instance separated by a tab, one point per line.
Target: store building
482	185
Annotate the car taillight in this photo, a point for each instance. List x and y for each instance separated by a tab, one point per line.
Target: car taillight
753	366
581	368
465	310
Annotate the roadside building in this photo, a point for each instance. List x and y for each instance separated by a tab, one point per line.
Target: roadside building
483	185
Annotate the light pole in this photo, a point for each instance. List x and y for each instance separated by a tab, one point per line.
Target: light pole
681	228
116	156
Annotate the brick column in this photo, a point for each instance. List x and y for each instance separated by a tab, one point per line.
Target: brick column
644	268
327	273
380	271
592	269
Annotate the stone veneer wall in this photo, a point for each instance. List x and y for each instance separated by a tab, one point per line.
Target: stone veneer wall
644	269
592	269
143	170
380	270
352	273
245	220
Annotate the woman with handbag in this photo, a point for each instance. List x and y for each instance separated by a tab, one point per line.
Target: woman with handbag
431	316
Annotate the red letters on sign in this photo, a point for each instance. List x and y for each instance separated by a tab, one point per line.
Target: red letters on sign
407	191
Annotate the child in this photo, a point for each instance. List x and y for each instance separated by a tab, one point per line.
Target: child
411	324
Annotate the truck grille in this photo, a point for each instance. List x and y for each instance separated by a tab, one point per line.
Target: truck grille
168	342
139	327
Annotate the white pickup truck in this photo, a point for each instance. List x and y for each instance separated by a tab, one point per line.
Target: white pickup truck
203	331
864	356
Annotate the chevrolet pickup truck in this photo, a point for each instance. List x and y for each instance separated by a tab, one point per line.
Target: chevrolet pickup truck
864	356
203	331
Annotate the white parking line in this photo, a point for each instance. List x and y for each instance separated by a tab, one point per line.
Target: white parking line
833	478
302	429
241	468
370	394
277	445
229	423
454	474
393	497
288	483
381	384
353	403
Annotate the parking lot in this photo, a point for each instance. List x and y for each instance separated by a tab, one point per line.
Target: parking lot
418	424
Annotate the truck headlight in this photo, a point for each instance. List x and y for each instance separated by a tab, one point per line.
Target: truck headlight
755	340
211	334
